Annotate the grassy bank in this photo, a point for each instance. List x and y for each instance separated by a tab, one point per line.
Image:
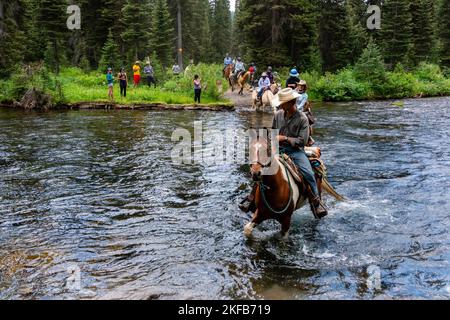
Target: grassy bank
73	85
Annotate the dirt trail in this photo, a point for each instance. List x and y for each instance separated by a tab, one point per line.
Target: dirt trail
244	101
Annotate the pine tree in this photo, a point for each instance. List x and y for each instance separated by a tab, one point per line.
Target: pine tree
112	18
12	36
95	26
220	28
303	34
357	36
396	31
423	37
52	20
162	41
264	31
203	32
110	54
335	47
444	32
136	34
370	65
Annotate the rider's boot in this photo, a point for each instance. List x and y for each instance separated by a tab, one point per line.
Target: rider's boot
317	207
248	204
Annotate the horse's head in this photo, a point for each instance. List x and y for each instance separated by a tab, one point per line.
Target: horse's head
260	159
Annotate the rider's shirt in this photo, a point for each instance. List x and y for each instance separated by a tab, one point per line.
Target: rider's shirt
297	126
227	61
239	66
301	101
263	83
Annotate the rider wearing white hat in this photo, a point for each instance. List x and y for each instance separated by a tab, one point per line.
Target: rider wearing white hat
293	126
263	85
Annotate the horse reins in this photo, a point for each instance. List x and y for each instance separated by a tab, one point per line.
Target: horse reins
262	187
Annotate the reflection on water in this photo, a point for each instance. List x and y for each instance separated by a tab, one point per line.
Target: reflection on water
96	192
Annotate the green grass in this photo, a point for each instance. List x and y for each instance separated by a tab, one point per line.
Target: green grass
79	86
74	93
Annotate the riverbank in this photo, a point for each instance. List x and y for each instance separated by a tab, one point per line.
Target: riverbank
142	106
74	87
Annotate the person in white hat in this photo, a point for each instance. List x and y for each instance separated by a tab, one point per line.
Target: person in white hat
302	87
263	85
293	126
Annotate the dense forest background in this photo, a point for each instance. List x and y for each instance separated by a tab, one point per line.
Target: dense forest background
315	35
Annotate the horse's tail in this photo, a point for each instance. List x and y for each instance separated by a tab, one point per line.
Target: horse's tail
330	190
322	171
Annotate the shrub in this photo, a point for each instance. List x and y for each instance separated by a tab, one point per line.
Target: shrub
429	72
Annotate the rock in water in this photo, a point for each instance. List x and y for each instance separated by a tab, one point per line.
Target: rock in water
34	99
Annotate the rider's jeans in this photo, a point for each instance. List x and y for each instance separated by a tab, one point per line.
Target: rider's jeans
301	160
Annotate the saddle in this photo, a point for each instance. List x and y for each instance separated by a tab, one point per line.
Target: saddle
313	154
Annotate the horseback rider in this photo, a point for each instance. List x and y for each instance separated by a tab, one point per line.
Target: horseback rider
294	132
302	100
294	78
252	70
239	67
270	74
226	62
263	85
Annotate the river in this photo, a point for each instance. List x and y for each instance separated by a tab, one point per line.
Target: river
91	207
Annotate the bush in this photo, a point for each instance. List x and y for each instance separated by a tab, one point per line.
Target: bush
398	85
340	87
429	72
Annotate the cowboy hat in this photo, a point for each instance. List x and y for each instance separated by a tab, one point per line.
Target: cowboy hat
264	74
302	83
284	96
294	73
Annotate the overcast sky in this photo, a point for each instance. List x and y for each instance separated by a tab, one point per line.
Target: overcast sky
232	4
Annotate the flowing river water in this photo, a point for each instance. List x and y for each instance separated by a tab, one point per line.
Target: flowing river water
92	207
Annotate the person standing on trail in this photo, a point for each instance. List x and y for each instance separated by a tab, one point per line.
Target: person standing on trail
110	81
137	74
123	82
197	88
149	74
176	69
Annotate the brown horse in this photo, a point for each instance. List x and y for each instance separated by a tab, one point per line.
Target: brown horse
228	74
242	81
277	195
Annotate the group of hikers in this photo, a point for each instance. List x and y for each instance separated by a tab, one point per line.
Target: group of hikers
150	79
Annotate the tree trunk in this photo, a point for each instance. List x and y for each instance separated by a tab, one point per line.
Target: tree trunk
1	17
56	56
180	36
